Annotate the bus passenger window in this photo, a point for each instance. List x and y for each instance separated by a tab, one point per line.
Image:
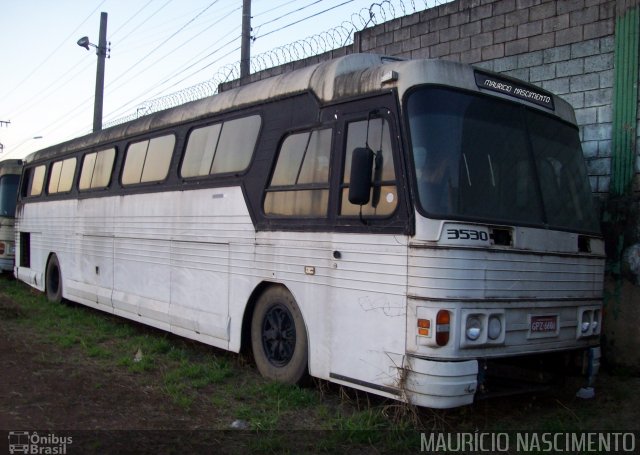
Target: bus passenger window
148	161
235	148
156	165
384	193
37	181
221	148
200	150
300	182
61	178
96	169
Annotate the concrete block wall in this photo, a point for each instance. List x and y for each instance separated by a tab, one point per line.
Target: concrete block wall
565	47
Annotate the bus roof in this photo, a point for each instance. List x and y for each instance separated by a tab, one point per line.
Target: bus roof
344	77
11	163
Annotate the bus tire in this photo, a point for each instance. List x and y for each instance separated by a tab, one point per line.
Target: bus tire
279	337
53	280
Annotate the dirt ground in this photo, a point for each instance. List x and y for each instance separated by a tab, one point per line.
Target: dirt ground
44	387
49	388
52	390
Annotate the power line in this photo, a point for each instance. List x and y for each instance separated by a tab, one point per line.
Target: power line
137	27
73	112
181	69
275	8
115	32
162	43
38	97
64	41
178	73
304	19
286	14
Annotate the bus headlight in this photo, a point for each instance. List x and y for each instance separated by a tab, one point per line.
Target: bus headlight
482	328
495	327
595	324
588	323
474	328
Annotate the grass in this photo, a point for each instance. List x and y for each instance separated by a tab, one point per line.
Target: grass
185	370
198	378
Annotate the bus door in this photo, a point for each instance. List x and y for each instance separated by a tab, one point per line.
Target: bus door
369	273
199	265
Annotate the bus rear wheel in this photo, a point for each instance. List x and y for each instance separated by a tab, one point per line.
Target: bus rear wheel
279	337
53	280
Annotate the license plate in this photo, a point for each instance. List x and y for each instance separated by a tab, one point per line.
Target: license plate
544	324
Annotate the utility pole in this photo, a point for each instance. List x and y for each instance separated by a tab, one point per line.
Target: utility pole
245	46
3	123
102	54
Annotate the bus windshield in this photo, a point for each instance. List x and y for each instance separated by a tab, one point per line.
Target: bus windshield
483	159
8	194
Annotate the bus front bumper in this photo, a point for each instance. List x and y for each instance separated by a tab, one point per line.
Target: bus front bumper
440	384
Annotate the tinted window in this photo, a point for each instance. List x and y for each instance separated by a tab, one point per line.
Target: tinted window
477	157
384	194
200	150
221	148
96	169
566	193
237	141
61	178
37	181
148	161
8	194
300	182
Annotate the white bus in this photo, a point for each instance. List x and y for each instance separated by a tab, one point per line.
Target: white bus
420	230
10	171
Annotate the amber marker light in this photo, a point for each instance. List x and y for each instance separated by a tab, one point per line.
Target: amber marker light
424	327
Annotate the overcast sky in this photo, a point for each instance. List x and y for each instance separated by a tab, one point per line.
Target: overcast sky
47	82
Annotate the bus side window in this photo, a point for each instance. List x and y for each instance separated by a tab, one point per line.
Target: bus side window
33	181
300	182
236	144
96	169
221	148
384	181
61	178
148	160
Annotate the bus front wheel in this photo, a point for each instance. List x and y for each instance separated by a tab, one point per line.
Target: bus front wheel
279	337
53	280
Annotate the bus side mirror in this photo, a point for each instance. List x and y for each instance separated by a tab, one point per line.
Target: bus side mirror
360	179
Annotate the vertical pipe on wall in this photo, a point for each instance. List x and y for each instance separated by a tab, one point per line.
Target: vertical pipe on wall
625	97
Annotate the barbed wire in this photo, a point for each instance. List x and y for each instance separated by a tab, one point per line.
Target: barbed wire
326	41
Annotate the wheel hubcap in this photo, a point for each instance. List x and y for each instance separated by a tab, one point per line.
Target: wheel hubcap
278	335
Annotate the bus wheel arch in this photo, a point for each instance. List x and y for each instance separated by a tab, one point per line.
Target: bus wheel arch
53	279
278	335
